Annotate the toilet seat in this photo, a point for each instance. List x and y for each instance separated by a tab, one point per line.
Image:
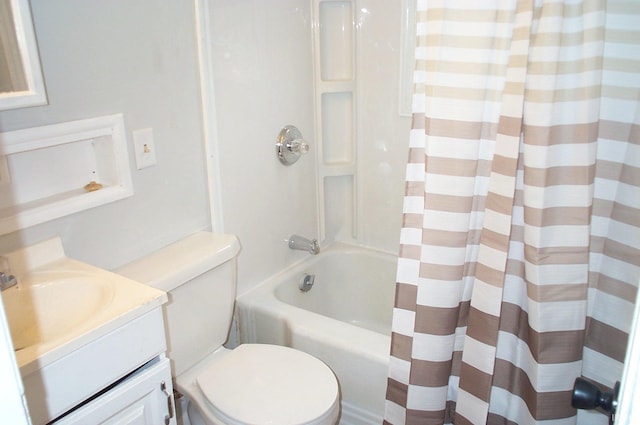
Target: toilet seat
270	384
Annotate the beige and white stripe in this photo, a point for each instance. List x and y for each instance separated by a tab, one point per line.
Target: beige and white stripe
520	247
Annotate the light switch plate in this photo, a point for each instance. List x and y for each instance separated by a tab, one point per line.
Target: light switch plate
144	147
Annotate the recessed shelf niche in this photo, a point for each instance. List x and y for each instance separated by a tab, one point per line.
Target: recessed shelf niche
339	208
336	39
335	98
44	170
337	128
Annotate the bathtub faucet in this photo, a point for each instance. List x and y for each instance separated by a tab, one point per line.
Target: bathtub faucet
304	244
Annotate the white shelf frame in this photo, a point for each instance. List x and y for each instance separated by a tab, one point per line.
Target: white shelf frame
110	128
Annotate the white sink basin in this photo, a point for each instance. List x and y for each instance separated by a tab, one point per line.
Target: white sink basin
61	304
45	307
76	328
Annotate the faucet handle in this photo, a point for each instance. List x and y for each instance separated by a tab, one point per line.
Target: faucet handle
290	145
298	146
7	280
315	247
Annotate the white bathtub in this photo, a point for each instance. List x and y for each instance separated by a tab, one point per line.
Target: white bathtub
344	320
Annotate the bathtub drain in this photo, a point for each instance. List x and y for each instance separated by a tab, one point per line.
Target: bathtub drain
307	282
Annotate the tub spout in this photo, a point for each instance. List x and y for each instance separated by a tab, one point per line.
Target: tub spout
304	244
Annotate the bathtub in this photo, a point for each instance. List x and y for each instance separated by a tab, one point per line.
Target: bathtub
344	320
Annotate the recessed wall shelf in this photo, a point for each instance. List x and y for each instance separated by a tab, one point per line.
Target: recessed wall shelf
335	98
47	172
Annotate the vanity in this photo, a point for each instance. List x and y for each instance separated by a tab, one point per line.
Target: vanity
90	344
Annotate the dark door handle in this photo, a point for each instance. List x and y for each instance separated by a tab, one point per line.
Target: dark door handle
587	396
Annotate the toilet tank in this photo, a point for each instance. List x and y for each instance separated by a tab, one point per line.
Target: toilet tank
199	275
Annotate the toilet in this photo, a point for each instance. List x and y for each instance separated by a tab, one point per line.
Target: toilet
251	384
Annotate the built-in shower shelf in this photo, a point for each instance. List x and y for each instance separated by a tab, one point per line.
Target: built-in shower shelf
335	170
55	170
334	41
336	86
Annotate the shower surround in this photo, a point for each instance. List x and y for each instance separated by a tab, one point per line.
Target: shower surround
267	72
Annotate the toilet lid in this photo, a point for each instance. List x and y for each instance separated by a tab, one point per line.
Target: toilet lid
270	384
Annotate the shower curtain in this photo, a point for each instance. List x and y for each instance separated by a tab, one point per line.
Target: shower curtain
520	246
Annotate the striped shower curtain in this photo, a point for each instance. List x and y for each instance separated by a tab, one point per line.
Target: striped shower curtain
520	246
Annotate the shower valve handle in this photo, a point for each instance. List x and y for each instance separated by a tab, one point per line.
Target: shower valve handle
298	146
290	145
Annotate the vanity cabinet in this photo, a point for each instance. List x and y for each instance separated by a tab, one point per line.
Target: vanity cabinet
122	377
90	344
144	397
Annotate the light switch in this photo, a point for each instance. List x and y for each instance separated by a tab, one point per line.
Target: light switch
145	148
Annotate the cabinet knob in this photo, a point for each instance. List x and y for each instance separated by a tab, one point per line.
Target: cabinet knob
167	419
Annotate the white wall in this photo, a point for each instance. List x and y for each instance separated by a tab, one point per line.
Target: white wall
263	81
383	135
139	58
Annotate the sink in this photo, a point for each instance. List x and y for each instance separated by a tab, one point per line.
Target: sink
45	307
60	304
76	328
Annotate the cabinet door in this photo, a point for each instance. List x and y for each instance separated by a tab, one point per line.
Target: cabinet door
145	398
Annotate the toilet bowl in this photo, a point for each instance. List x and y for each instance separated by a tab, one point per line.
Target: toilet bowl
255	384
261	384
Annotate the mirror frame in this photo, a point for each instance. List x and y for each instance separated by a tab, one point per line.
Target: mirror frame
25	35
